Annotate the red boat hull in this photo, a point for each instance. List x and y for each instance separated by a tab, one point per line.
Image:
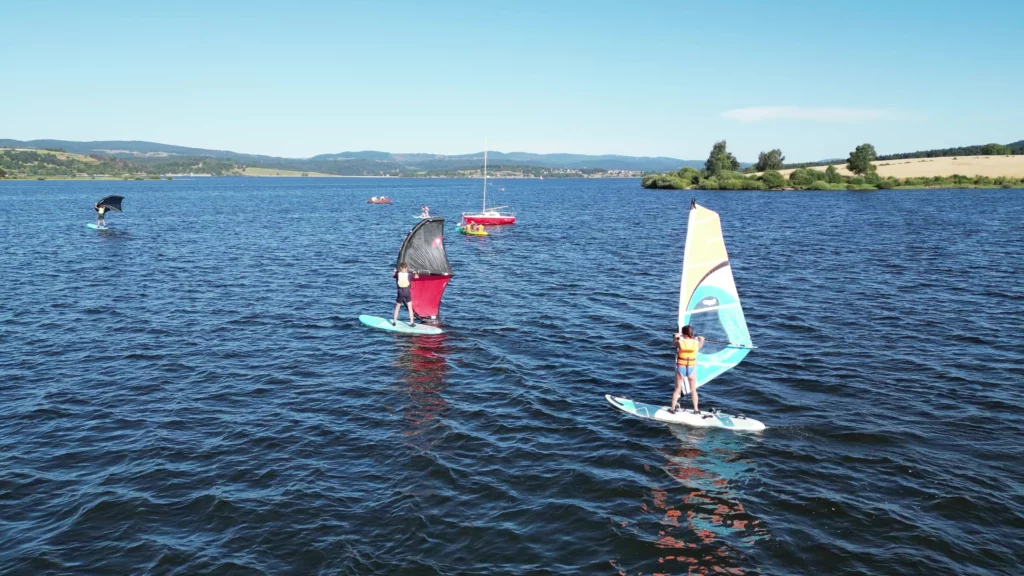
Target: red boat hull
490	220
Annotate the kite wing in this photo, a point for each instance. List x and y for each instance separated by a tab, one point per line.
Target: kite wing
423	250
111	202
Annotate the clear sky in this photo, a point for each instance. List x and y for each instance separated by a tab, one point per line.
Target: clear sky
637	77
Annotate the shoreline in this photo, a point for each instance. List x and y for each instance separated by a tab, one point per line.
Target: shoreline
319	177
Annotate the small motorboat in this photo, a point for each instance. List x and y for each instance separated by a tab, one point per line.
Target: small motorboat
379	200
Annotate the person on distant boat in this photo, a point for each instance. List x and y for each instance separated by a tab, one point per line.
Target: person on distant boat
686	367
101	212
404	278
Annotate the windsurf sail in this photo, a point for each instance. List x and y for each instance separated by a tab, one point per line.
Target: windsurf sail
111	202
423	250
708	299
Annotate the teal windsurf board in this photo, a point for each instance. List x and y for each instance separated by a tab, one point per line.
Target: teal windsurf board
403	327
685	416
95	227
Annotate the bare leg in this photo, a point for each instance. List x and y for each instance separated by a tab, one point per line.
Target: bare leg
693	391
678	391
398	306
412	318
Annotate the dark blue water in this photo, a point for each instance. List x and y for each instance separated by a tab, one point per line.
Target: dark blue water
191	392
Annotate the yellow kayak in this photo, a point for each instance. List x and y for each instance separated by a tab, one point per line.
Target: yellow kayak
471	232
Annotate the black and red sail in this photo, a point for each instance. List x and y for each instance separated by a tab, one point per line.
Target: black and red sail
423	251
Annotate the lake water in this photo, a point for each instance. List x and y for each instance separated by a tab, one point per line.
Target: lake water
190	392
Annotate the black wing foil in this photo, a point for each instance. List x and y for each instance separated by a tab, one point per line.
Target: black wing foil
112	202
423	249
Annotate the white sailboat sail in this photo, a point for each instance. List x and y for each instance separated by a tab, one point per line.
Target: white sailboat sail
708	299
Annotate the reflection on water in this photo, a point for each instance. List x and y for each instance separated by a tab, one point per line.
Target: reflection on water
697	518
425	360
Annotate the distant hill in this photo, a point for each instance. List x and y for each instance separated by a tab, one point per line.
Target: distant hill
575	161
362	163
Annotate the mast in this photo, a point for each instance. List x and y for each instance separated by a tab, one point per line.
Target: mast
683	296
485	178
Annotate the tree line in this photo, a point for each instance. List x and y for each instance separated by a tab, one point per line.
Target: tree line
721	172
979	150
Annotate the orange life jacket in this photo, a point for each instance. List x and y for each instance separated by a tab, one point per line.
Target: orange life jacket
686	355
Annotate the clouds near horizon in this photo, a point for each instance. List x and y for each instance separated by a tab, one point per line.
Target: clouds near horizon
809	113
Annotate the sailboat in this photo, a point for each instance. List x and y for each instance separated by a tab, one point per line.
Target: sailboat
489	216
708	301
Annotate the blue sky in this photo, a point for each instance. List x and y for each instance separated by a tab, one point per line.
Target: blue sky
637	78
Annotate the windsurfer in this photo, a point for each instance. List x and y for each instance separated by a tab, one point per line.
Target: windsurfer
403	278
686	366
101	212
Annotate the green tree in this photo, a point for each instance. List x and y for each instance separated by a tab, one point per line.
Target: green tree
720	160
804	176
773	179
689	174
3	174
832	175
861	158
996	150
771	160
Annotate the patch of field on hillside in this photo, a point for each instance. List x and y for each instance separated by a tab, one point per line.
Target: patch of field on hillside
60	155
251	171
991	166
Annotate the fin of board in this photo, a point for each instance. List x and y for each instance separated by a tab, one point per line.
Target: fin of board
684	416
403	327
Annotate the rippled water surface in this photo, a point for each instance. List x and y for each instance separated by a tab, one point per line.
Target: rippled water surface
190	392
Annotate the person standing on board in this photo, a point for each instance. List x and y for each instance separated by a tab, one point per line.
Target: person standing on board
404	280
686	366
101	212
